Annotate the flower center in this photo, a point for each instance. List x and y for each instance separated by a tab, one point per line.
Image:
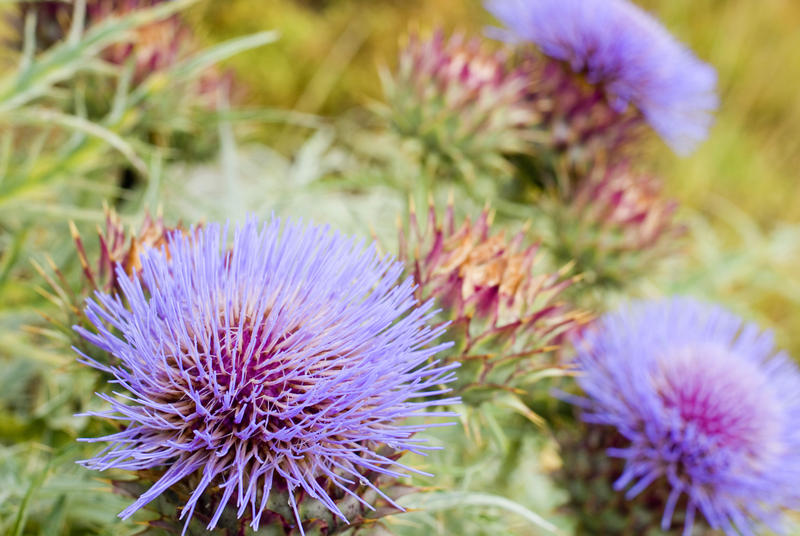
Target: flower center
726	400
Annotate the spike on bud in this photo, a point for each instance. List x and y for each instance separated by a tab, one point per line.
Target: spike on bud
125	249
116	247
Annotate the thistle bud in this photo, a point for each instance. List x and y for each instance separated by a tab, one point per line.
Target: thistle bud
504	309
460	101
615	224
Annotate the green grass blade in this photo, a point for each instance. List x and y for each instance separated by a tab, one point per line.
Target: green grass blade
447	500
43	117
22	514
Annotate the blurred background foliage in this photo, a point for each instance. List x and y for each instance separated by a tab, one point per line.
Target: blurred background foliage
326	59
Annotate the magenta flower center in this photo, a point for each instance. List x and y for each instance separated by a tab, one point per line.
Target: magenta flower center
714	395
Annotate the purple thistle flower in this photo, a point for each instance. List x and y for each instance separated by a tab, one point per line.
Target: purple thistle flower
619	46
283	363
707	409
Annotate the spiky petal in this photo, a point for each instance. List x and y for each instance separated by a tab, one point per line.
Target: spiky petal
621	49
287	362
706	407
461	101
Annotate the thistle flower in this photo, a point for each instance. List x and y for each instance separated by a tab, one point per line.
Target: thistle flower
504	308
704	407
629	62
283	365
460	101
615	224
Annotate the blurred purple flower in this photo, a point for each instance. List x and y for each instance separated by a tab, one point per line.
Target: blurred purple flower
620	47
707	407
284	363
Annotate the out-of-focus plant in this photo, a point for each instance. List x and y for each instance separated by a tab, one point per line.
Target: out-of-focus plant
151	48
462	104
701	411
616	224
44	146
602	71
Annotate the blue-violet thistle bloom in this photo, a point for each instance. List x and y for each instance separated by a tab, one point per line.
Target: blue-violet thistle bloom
285	362
706	406
618	46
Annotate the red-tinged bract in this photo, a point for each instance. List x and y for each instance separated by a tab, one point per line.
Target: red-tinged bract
504	309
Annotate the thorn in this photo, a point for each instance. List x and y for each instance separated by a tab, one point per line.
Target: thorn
566	268
73	230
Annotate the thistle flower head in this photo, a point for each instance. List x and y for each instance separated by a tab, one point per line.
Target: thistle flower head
460	100
283	364
504	307
619	47
614	223
706	408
